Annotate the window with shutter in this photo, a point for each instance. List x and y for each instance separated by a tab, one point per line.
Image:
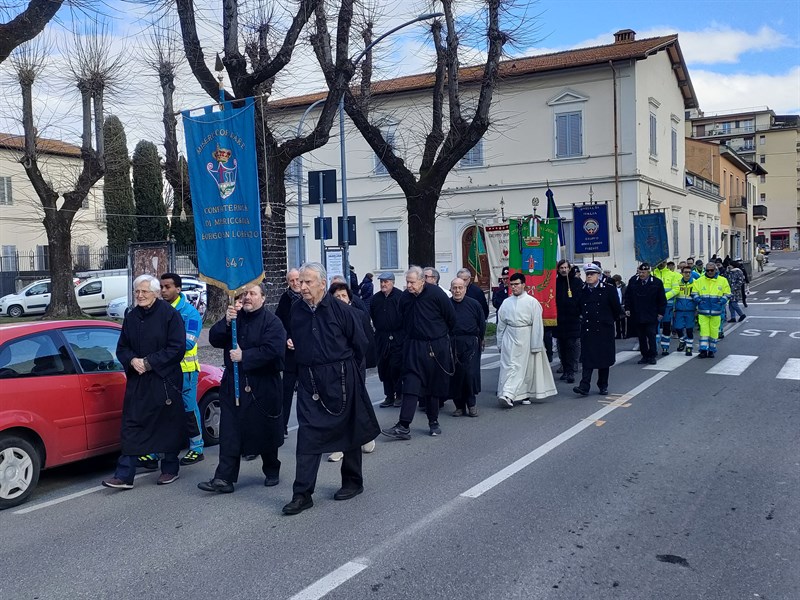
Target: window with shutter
674	147
653	133
5	191
8	260
390	135
387	248
473	158
569	134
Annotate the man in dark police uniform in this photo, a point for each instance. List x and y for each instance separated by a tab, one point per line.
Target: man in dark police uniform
254	425
333	407
428	318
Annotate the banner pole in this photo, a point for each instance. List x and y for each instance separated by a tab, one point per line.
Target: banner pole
234	345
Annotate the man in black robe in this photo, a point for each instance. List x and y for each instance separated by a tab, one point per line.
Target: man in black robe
253	423
474	291
645	305
151	347
429	319
287	299
333	407
568	326
389	335
468	334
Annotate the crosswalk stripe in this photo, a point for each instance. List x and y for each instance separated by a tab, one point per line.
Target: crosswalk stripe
774	292
625	355
670	363
790	370
491	365
797	291
733	364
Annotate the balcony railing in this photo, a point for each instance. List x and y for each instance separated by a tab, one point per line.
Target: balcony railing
759	211
737	205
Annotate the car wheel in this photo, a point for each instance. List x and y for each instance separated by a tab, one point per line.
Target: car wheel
15	311
210	417
20	464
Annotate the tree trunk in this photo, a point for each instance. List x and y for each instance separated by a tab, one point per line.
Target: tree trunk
422	226
273	224
63	303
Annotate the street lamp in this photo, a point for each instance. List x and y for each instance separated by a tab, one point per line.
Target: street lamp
343	158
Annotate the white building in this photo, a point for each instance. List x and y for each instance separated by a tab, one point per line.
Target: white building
22	234
607	120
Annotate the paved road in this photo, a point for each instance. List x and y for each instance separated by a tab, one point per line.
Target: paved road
682	483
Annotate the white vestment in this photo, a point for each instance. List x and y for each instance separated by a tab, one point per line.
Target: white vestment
524	369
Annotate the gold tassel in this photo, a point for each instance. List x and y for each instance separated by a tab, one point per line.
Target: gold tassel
268	210
183	217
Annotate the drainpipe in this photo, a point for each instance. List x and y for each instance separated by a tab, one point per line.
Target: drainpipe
616	150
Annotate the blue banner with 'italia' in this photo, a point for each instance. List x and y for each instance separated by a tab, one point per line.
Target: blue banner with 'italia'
650	237
591	228
223	179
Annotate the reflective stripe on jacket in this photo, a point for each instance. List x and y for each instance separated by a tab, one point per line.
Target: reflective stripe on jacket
671	280
193	325
684	300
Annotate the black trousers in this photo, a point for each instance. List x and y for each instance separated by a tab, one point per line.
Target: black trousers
390	372
586	378
228	468
305	480
410	402
289	385
568	353
647	339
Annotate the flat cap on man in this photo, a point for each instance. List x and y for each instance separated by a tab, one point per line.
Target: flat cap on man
386	276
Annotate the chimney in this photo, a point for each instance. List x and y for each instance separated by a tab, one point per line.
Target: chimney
624	35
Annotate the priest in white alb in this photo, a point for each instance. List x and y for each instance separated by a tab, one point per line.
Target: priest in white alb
524	370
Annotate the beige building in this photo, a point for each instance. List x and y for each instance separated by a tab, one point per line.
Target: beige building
605	123
22	235
772	142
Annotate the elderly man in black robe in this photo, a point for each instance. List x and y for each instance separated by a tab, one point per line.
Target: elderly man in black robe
384	309
429	319
253	423
151	347
474	291
333	407
468	336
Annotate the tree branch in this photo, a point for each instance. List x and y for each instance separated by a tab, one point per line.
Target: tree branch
26	25
194	51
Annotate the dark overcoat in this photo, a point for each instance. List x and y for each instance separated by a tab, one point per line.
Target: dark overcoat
329	346
282	311
153	418
475	292
600	309
256	425
468	334
429	319
568	291
645	300
389	333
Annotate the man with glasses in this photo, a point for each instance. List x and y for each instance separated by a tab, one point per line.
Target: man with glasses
599	309
524	369
645	304
710	293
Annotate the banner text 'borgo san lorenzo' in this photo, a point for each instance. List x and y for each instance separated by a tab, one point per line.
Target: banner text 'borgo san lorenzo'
223	179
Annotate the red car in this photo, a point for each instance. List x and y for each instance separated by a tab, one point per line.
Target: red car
61	399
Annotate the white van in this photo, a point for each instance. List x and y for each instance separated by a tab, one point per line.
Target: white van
30	300
95	294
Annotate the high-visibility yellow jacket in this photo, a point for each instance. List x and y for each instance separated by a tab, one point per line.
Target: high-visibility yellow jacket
711	294
671	281
193	324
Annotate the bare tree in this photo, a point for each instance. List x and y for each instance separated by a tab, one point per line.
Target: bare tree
94	71
252	73
26	25
442	148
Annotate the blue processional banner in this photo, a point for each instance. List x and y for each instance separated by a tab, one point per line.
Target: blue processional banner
650	237
223	179
591	229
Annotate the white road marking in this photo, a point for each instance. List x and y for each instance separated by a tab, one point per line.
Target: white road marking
491	365
784	301
733	364
670	363
781	317
625	355
790	370
515	467
797	291
774	292
55	501
331	581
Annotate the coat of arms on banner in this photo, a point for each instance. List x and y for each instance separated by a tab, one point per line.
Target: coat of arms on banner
223	175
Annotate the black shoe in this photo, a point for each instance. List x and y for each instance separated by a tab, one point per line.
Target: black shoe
435	429
192	458
398	403
681	346
249	457
722	335
579	390
397	432
146	462
665	353
742	318
642	361
732	320
703	354
688	351
603	391
570	379
710	354
563	377
216	485
347	493
298	504
387	403
651	361
271	481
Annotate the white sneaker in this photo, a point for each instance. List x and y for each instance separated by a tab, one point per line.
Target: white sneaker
526	402
336	456
368	447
